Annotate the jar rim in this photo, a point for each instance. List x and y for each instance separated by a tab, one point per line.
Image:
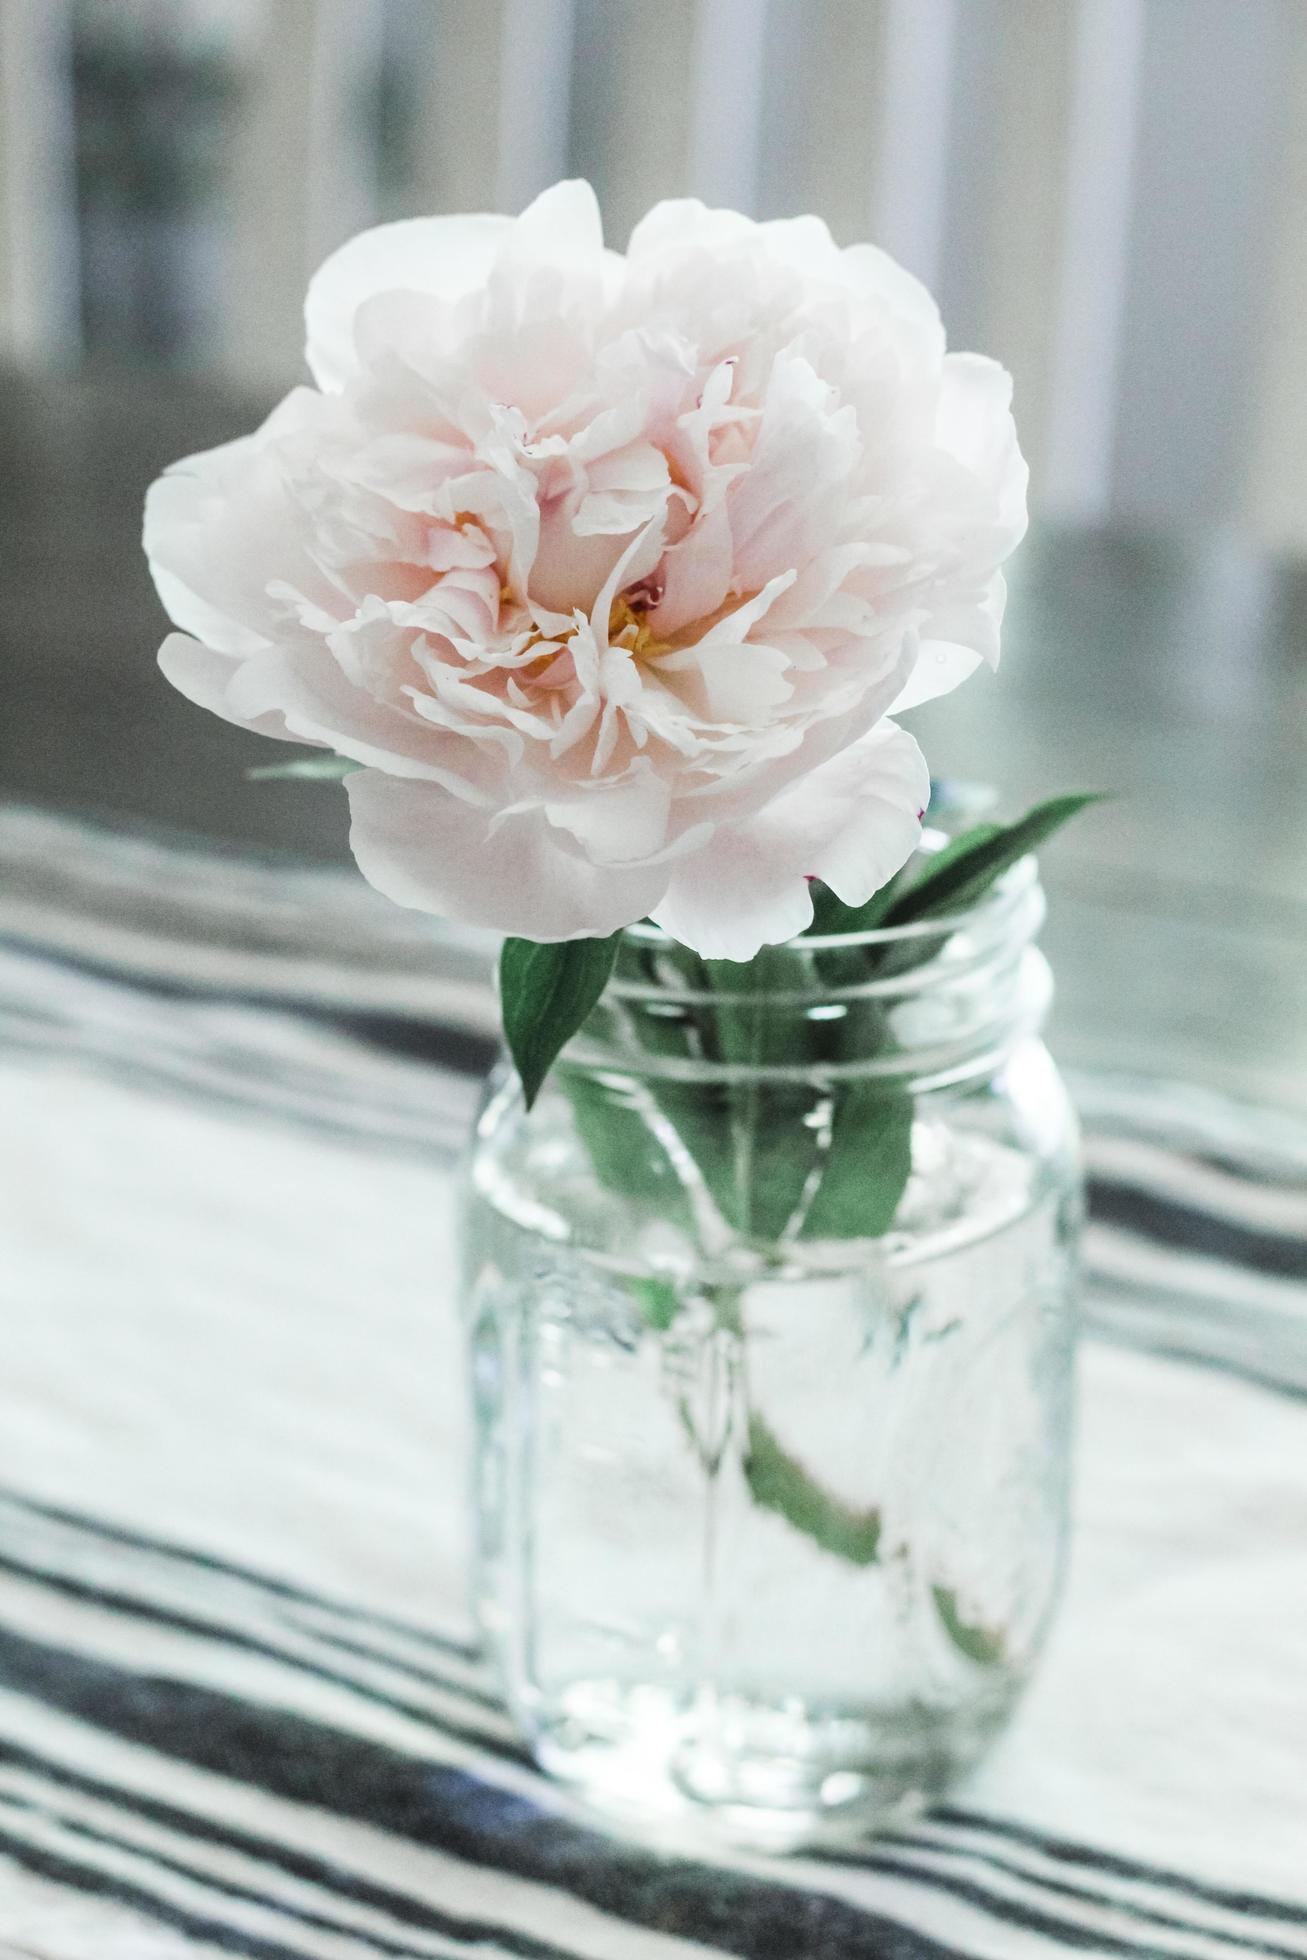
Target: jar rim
1000	899
971	983
984	927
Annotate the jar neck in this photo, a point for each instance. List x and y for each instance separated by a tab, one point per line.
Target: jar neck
928	1005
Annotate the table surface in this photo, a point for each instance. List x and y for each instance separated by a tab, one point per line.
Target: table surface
1171	673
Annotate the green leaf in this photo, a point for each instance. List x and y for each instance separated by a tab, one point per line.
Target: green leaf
750	1025
659	1302
309	768
868	1164
771	1150
953	878
779	1482
979	1644
629	1159
958	848
545	992
966	868
620	1127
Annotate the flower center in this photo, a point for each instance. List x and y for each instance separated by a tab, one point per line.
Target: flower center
629	627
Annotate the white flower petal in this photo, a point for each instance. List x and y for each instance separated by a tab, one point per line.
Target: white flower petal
205	678
318	703
870	801
974	424
447	257
729	900
874	275
941	666
694	575
853	823
220	526
618	823
685	224
425	849
562	226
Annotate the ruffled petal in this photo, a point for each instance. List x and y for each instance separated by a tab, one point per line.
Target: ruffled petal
870	802
221	528
319	703
620	823
940	666
874	275
681	224
560	227
205	676
853	823
445	257
974	423
513	872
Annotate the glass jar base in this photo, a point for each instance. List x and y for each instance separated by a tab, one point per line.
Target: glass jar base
763	1779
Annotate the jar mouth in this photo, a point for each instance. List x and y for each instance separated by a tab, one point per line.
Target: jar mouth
933	1004
1009	914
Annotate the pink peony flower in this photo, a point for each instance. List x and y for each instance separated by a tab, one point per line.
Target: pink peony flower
607	569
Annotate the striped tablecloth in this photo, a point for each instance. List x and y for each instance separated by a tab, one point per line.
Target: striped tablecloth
240	1706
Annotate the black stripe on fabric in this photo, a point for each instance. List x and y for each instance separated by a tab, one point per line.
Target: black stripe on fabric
365	1650
327	1874
1133	1908
456	1812
335	1121
227	1888
129	1605
1176	1882
416	1039
436	1043
100	834
1027	1912
872	1859
1190	1228
1233	1899
331	1877
119	1534
1285	1175
67	1872
1184	1347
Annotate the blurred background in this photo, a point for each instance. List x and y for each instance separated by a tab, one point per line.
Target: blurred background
1108	195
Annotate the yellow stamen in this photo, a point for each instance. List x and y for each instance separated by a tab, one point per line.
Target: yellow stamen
623	619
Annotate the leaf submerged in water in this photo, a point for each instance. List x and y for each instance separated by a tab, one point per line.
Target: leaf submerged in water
979	1644
780	1482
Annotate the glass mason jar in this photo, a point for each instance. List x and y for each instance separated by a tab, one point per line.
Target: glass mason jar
769	1309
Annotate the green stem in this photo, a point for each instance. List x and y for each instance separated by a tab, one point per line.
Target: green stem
744	1168
781	1482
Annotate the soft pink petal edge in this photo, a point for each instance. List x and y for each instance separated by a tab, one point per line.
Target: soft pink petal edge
803	243
446	257
205	677
974	425
214	533
853	822
425	849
